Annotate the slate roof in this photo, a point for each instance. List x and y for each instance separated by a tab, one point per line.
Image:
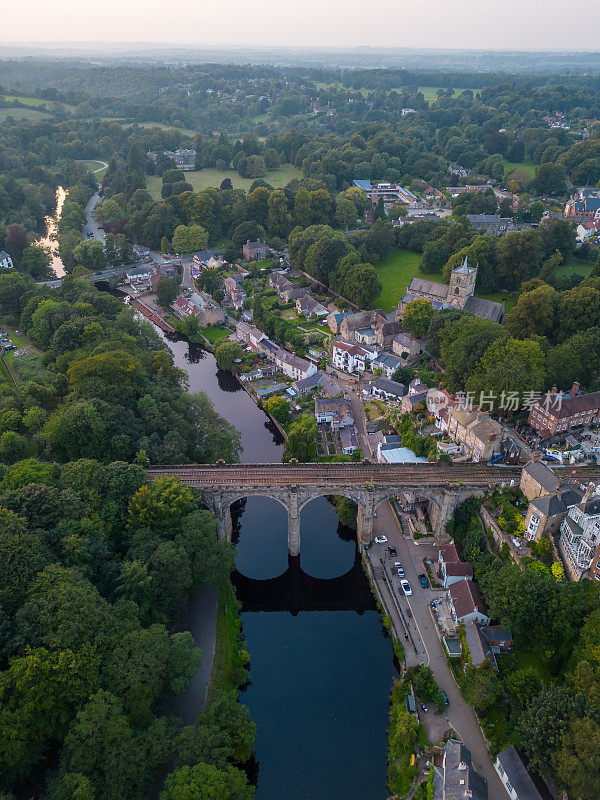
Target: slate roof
457	782
389	386
517	775
549	505
560	408
204	255
423	286
543	475
484	309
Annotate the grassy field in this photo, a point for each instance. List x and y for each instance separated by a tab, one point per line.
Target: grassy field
22	113
206	178
528	165
536	661
215	334
28	101
184	131
33	101
499	297
97	167
429	92
19	342
573	266
395	273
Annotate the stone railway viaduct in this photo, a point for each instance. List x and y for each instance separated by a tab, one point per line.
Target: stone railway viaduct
367	484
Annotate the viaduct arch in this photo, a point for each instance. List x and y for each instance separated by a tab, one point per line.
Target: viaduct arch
294	486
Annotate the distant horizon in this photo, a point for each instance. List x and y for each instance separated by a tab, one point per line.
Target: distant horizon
517	26
290	47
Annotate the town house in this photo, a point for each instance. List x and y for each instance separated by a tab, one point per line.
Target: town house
478	435
580	535
351	357
561	412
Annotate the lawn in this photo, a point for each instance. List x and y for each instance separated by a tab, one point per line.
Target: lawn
496	725
528	165
19	342
22	113
535	661
395	273
163	127
97	167
574	266
499	297
429	92
27	101
207	178
215	334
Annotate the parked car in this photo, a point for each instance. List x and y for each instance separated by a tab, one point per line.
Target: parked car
444	697
406	588
380	539
400	572
423	580
10	347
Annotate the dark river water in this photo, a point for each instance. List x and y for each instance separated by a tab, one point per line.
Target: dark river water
321	666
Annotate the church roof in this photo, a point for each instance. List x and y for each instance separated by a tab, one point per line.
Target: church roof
484	309
421	286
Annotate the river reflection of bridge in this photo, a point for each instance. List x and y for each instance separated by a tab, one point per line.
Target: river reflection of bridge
296	591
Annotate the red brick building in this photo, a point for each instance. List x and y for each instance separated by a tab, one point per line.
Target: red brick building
557	413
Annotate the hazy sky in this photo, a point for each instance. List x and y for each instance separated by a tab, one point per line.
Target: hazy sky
495	24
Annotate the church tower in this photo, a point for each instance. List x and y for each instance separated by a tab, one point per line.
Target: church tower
462	284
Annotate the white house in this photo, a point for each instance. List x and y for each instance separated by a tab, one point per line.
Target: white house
348	440
293	366
580	534
385	389
387	363
515	777
351	357
466	603
5	260
336	411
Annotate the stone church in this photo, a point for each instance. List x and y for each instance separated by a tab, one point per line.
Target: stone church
459	293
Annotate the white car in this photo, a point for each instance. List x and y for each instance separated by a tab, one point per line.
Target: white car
406	588
380	539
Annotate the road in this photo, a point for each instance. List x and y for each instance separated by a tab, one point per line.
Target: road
460	716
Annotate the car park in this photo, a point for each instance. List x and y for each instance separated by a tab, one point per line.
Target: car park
406	588
380	539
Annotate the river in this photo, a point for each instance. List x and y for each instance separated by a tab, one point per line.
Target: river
49	240
321	666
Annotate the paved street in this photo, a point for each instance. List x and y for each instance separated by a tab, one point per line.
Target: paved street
460	716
